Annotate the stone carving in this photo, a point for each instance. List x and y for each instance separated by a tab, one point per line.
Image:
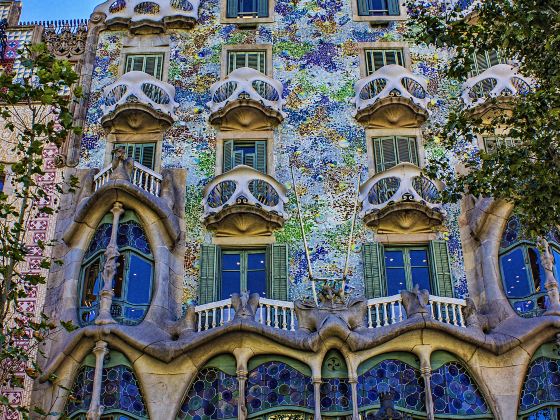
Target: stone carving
416	302
487	319
551	285
122	165
245	304
387	410
66	40
350	315
108	274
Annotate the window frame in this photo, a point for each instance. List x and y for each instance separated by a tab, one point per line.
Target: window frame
379	19
395	139
246	21
266	136
243	269
475	70
134	146
227	49
371	51
145	55
407	265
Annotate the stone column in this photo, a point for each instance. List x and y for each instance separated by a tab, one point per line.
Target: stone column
317	393
354	386
424	353
95	408
109	270
241	407
551	285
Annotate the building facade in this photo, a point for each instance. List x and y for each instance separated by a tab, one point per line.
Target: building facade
214	133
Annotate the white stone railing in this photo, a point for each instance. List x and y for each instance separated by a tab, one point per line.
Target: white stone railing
277	314
385	311
214	314
403	182
247	186
148	10
448	310
391	81
140	87
247	83
499	80
143	177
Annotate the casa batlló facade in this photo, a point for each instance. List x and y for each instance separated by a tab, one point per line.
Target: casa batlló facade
213	131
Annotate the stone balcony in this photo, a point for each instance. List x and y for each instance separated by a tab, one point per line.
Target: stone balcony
246	100
139	101
139	175
244	201
401	200
494	88
391	97
146	17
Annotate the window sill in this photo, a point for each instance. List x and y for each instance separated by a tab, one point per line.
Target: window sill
246	21
379	19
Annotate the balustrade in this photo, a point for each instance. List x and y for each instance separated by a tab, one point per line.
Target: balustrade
143	177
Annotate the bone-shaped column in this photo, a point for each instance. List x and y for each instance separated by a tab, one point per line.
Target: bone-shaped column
95	408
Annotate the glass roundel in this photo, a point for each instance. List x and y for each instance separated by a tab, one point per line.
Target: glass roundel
132	283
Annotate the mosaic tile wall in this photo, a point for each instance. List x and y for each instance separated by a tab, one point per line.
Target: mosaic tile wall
315	45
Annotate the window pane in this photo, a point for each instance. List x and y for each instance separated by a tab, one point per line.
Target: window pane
394	258
231	283
421	277
256	282
556	255
92	283
256	261
119	276
231	261
139	284
516	280
247	7
418	258
537	270
396	281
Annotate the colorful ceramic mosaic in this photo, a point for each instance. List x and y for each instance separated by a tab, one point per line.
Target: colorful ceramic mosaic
392	375
278	385
213	395
120	391
542	384
455	393
336	396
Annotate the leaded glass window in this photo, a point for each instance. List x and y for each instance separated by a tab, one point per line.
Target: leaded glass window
132	284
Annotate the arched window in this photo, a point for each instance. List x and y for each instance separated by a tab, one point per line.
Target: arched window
336	391
214	392
133	281
540	395
397	372
454	392
120	391
523	276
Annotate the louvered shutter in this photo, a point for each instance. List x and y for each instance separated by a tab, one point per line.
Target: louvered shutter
363	9
208	283
260	161
262	8
372	257
394	8
232	8
385	153
237	158
228	156
390	57
148	155
277	259
441	269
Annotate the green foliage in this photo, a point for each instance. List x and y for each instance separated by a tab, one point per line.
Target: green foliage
36	110
528	174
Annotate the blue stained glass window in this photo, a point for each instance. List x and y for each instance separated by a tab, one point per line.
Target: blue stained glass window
542	384
455	393
131	234
276	384
213	395
120	391
397	376
336	395
100	240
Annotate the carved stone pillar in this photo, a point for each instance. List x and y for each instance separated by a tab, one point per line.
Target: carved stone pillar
551	285
241	407
317	392
109	270
426	372
95	408
354	386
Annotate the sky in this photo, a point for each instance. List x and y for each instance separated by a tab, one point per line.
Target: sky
35	10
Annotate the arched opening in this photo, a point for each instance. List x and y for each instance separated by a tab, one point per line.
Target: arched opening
121	394
133	281
523	275
214	393
454	391
336	391
398	372
540	395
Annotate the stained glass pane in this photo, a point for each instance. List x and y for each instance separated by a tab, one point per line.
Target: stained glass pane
336	395
512	233
100	240
213	395
542	384
455	393
131	234
80	395
276	384
397	376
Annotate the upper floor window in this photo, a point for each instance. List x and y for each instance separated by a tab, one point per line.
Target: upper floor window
2	181
143	153
393	150
252	59
406	267
378	8
132	283
148	63
484	60
247	9
377	58
523	275
243	270
252	153
492	143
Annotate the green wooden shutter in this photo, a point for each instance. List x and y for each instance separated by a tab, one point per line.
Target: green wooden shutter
441	269
394	8
228	155
372	257
277	260
207	283
148	155
237	158
232	9
260	161
385	152
262	8
363	9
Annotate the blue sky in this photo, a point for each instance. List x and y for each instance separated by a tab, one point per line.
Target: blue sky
34	10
